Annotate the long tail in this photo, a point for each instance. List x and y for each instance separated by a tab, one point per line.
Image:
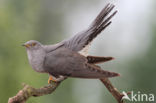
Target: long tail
92	71
97	60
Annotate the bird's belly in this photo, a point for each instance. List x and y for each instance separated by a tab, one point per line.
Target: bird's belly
41	70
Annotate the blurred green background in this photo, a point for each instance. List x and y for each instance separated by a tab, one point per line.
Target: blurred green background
131	39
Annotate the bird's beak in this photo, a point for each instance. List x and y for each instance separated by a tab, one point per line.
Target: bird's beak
26	45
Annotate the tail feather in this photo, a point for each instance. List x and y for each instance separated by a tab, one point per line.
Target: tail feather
102	73
92	71
96	60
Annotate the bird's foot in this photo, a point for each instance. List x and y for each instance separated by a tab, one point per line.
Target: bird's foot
54	79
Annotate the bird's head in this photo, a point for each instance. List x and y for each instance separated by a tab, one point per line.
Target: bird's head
32	45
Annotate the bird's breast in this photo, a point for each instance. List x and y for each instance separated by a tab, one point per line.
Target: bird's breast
36	60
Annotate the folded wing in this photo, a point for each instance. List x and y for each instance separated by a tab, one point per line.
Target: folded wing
65	62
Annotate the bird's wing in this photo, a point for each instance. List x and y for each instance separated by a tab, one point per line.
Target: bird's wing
65	62
81	40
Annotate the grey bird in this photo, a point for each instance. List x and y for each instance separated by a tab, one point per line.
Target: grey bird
70	58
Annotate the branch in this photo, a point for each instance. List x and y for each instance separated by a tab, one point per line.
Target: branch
23	95
28	91
118	96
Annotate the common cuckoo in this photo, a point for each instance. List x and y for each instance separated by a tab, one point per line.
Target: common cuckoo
69	58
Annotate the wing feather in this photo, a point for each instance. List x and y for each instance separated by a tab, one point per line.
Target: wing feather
82	39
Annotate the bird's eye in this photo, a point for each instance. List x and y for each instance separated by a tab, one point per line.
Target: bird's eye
33	44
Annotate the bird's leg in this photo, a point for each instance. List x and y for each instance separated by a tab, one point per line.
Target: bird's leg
54	79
